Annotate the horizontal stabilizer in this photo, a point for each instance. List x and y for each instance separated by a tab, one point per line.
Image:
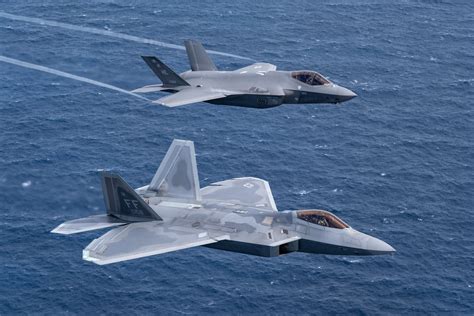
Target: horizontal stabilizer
150	88
145	239
87	224
191	95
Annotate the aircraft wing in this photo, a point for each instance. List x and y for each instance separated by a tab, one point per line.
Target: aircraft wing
192	95
87	224
144	239
247	191
257	67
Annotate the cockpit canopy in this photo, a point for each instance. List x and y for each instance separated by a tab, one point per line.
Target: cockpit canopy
322	218
310	77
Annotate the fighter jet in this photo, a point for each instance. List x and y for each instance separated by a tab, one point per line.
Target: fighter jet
239	215
258	86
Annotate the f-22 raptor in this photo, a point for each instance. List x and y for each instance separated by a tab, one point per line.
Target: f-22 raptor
258	86
239	215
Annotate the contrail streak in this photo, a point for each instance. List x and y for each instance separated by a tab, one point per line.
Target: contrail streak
67	75
106	33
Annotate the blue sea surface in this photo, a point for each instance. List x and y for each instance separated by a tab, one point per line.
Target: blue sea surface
396	162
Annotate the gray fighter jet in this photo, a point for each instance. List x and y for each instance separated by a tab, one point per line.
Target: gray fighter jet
258	86
240	215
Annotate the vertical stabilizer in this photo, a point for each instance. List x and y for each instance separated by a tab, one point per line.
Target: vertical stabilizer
123	202
177	178
198	57
166	75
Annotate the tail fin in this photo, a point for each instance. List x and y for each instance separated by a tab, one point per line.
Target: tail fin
198	57
166	75
123	202
177	178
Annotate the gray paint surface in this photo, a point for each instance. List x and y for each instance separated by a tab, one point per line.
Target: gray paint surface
236	215
259	85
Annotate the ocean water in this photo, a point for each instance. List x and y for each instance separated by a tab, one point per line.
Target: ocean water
396	162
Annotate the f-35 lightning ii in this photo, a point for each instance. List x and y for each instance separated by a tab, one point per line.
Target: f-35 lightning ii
240	215
258	86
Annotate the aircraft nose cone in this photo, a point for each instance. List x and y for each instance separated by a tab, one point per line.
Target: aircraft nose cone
378	246
345	94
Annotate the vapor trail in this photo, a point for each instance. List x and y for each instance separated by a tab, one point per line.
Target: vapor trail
106	33
67	75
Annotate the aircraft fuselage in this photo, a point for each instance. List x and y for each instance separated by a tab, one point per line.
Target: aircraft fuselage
260	232
266	89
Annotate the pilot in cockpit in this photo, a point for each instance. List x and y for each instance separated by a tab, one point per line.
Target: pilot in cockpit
322	221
